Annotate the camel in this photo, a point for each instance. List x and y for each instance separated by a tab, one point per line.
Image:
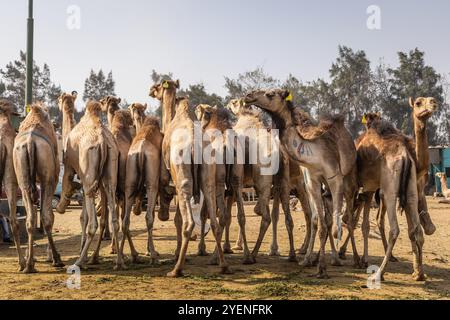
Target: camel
142	175
295	184
328	154
166	92
423	109
179	155
7	174
91	152
35	157
387	161
444	186
110	105
138	116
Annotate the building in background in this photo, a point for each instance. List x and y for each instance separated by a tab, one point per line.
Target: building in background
439	162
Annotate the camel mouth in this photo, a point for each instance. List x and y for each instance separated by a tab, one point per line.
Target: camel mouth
424	114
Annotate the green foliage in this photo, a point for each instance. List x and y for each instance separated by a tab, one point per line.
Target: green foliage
12	87
198	95
97	86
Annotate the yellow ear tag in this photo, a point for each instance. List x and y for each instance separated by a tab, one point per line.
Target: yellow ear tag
166	85
290	97
364	120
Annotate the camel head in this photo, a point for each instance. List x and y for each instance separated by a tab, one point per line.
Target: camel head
93	109
206	114
423	108
66	102
7	108
110	105
235	106
157	91
137	112
274	100
370	118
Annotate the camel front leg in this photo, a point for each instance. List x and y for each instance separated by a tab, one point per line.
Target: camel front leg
302	196
275	216
289	222
11	194
366	229
265	219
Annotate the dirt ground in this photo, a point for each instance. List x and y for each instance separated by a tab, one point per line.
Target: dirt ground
270	278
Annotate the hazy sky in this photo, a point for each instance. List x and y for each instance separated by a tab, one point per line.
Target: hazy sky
204	40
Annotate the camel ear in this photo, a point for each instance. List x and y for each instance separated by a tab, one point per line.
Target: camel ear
177	84
411	102
74	95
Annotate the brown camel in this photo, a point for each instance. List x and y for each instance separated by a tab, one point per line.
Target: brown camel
7	175
444	186
142	175
110	105
166	92
328	154
180	157
295	184
36	161
387	161
138	116
91	152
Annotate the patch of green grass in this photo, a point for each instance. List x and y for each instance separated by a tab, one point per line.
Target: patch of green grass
276	289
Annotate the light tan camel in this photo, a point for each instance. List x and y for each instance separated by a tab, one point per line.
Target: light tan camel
7	175
166	92
91	152
36	161
138	116
179	154
387	161
328	156
142	175
444	186
423	109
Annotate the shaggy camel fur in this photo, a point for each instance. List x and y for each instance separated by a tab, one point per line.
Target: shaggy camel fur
387	161
91	152
7	175
179	157
328	158
444	185
142	175
36	160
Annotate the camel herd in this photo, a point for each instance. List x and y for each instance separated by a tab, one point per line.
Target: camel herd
134	158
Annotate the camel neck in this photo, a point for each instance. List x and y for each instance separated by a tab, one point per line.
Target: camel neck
420	131
283	118
67	125
168	108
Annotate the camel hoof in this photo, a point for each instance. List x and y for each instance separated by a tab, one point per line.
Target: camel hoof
249	260
93	261
306	263
342	254
152	254
202	253
226	270
393	259
163	217
302	251
335	262
227	249
21	267
29	270
363	263
419	276
274	253
292	258
214	261
322	274
237	248
58	264
175	274
429	229
120	266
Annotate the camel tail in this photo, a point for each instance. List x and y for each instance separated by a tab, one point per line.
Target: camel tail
103	150
2	162
141	170
404	183
196	177
31	164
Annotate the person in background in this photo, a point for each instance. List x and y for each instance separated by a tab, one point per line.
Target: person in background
5	228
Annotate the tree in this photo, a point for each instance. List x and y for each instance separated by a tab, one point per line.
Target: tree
413	79
352	86
158	77
97	86
12	87
198	95
249	81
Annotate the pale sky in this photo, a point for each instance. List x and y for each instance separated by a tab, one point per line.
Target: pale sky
202	41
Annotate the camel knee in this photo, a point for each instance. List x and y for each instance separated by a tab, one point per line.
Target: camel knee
394	232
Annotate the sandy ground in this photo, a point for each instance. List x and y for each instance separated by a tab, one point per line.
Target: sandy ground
270	278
